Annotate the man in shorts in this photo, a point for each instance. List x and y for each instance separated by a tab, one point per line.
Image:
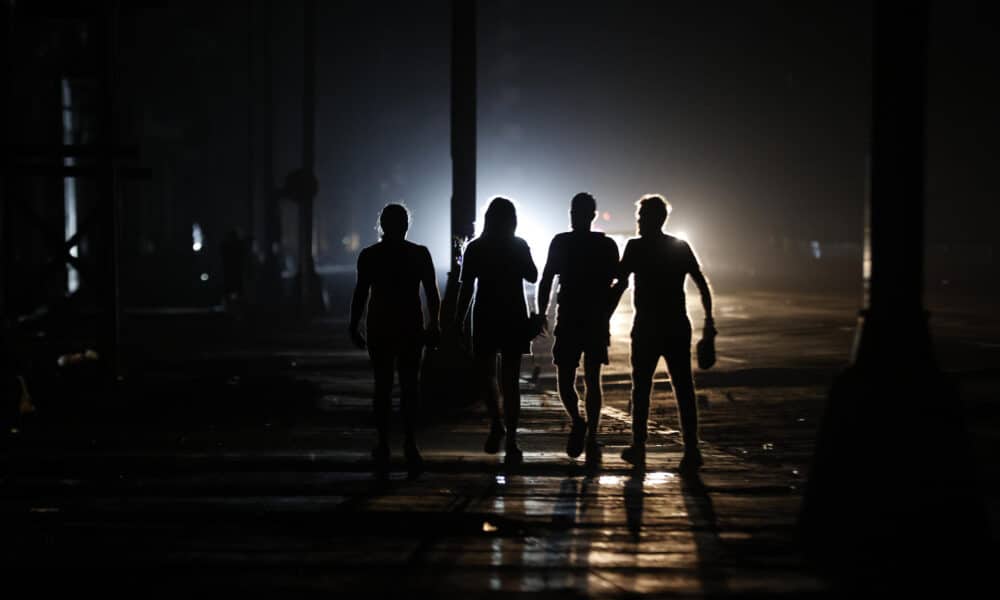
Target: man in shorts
586	262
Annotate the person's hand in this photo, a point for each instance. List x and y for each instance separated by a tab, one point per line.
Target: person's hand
709	329
357	338
433	336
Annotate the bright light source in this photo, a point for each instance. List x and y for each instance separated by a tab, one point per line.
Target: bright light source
528	229
817	252
196	238
606	216
204	277
682	235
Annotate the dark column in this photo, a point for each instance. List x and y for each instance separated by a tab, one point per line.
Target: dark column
107	203
306	192
890	489
463	140
446	376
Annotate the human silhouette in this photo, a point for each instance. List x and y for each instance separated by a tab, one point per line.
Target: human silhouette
661	326
587	263
390	274
495	266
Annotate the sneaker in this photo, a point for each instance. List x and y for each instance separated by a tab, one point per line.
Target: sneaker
691	461
492	445
414	462
513	456
574	446
634	455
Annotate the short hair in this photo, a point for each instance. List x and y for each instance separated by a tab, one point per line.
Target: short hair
394	220
584	203
656	206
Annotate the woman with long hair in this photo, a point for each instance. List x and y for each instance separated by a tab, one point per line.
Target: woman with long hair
495	266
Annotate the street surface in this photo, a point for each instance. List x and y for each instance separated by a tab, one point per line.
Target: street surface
271	489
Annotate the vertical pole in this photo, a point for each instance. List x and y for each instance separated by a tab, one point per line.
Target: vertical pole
251	130
886	499
463	141
463	122
108	202
307	268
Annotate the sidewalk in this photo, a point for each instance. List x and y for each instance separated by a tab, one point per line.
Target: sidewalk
294	506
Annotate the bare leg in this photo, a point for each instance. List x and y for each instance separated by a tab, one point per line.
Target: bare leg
510	373
594	396
487	367
567	391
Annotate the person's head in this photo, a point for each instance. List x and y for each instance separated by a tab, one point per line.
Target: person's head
393	221
582	210
651	214
501	219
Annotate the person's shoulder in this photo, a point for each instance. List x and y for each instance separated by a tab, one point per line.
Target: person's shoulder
520	242
562	238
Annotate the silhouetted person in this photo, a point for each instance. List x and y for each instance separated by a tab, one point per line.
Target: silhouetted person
661	326
389	277
495	266
587	263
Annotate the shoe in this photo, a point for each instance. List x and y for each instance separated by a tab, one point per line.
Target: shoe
574	446
513	456
594	453
492	445
634	455
414	462
691	461
381	454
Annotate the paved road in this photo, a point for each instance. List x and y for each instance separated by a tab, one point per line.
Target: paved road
281	497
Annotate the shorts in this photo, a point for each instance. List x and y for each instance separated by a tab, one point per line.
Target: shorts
571	343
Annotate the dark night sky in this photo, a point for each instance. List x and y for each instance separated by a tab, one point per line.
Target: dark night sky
751	117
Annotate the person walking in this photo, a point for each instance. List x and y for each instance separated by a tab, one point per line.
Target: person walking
390	274
661	327
586	263
495	266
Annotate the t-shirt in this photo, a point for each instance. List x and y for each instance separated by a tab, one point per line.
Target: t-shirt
587	263
395	269
500	266
660	263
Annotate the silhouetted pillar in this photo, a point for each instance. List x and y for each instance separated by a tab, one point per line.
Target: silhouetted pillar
446	375
308	280
463	140
890	489
108	211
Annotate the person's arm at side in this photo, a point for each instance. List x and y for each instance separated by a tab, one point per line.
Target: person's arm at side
359	301
706	294
530	272
545	285
429	280
621	279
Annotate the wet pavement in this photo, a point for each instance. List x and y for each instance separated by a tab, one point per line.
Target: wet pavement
285	500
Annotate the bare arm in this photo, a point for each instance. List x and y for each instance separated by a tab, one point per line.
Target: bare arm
545	286
358	303
530	270
621	281
706	298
